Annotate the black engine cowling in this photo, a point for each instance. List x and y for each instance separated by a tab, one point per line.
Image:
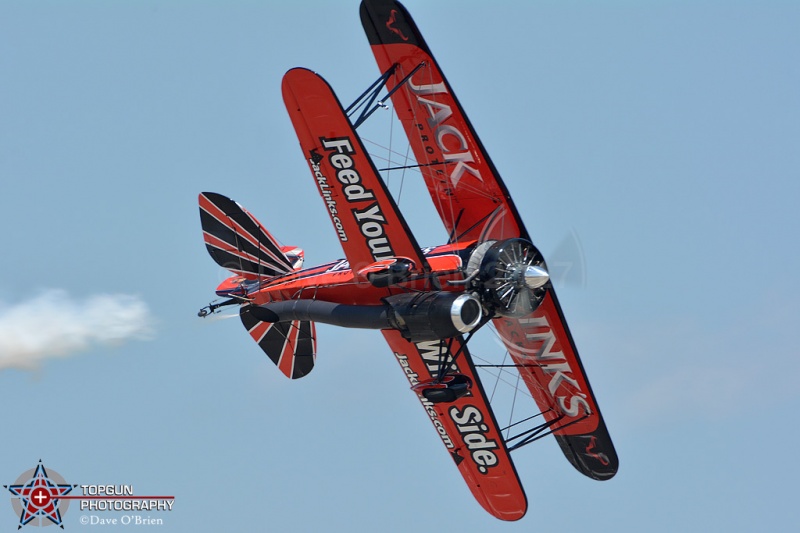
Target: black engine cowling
509	275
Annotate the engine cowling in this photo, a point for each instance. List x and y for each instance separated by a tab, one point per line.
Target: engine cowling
435	315
510	276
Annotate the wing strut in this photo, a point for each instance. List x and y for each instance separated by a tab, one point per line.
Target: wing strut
444	362
406	167
368	97
535	433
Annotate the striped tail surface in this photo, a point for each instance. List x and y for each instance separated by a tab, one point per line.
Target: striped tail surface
292	345
237	241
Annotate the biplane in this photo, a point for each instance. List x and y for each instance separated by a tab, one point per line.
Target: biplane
427	302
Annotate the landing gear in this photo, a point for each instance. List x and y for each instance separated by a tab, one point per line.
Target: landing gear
445	390
448	387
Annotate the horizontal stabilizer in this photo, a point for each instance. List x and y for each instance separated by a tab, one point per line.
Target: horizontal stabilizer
237	241
292	346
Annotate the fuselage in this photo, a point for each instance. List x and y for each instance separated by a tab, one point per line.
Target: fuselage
339	282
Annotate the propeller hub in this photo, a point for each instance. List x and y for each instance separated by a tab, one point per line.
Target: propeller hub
535	276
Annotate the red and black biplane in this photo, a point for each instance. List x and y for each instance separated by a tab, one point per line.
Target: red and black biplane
428	303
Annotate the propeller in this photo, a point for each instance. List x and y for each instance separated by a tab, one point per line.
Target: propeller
567	262
511	275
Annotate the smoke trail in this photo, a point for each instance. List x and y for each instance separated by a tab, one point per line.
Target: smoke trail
54	325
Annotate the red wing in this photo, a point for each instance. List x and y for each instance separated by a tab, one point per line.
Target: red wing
465	187
367	221
474	203
467	427
545	354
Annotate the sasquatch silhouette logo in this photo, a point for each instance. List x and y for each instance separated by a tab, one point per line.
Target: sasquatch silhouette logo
36	497
390	25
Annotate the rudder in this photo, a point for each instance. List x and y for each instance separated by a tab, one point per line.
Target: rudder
237	241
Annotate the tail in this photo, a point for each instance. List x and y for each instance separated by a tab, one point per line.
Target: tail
292	345
238	242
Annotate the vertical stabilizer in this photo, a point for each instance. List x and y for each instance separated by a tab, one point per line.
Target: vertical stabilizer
237	241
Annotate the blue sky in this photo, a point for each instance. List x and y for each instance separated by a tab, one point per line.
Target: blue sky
665	135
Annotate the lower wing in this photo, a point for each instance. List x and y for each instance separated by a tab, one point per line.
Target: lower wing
467	426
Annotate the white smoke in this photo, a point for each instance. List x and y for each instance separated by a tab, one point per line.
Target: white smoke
53	324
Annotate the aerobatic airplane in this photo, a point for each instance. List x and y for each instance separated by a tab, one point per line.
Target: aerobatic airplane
427	303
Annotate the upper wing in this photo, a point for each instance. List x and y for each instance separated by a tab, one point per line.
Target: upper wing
469	195
545	354
367	221
467	427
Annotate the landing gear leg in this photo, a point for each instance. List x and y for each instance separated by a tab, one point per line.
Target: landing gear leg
447	387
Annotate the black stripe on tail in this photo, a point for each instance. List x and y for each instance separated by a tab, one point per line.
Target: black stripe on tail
237	241
290	345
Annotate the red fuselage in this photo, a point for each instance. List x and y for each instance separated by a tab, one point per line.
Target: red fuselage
337	282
